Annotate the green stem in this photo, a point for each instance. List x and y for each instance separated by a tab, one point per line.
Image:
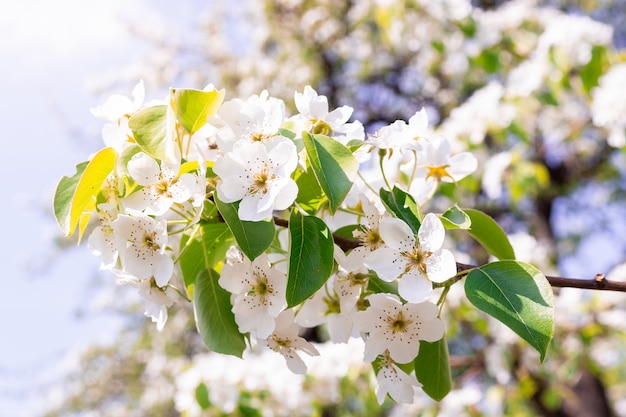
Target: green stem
192	236
182	294
382	170
442	299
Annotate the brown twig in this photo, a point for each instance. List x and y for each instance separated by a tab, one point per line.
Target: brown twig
599	282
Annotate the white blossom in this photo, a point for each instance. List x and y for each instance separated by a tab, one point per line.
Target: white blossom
398	328
117	109
314	109
286	341
415	262
437	163
118	106
259	177
162	185
258	294
156	300
609	105
101	241
403	135
393	381
142	242
369	234
256	119
335	303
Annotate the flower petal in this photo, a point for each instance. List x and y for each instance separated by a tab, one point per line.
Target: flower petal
414	288
397	234
295	363
374	346
461	165
144	169
431	233
387	263
440	266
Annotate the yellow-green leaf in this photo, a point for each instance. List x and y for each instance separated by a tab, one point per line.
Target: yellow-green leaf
149	126
192	107
75	194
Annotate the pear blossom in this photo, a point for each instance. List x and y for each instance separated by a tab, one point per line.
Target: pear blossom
156	300
259	177
101	241
162	185
258	294
436	163
369	234
324	308
314	108
141	242
286	341
494	172
403	135
393	381
335	303
398	328
202	145
118	106
256	119
608	106
117	109
415	262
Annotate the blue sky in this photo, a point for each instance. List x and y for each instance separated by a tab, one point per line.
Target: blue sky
51	53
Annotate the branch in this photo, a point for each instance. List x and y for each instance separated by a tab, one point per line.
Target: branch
599	282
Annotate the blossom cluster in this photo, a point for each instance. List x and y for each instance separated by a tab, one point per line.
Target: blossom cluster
172	171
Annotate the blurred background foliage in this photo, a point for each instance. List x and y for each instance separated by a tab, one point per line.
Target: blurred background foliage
528	86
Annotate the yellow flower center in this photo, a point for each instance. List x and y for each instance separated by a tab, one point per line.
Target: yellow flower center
260	137
438	172
416	260
261	181
149	241
398	324
163	186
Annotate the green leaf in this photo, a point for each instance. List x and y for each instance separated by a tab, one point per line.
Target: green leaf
287	133
253	238
333	164
432	368
489	234
376	285
192	107
74	194
310	257
202	396
63	198
590	73
310	195
519	296
214	318
205	251
402	205
347	231
455	218
149	126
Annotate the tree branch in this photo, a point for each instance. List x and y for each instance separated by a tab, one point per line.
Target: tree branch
599	282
